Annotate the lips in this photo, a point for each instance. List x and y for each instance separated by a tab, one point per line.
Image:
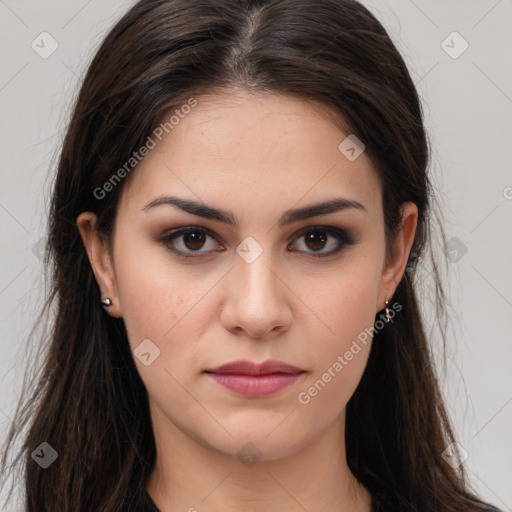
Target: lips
244	367
253	379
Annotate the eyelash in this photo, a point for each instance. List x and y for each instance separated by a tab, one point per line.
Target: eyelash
341	235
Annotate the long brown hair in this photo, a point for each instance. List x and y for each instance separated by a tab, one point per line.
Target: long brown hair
89	402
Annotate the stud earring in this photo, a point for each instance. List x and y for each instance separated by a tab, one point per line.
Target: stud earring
106	302
388	316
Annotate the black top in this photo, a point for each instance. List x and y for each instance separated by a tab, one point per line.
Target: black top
147	505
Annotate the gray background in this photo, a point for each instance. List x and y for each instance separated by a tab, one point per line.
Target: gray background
468	104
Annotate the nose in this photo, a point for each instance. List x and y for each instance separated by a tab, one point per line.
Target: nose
257	300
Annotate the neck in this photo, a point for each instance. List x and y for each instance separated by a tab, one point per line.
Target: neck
193	477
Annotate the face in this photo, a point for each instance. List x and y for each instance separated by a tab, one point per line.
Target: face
197	291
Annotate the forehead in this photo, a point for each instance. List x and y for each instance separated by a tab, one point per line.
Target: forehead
247	148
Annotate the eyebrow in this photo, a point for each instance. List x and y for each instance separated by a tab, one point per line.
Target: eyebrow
288	217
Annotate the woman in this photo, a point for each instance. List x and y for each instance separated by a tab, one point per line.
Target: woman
241	203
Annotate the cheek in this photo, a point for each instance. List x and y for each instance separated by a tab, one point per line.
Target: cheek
340	363
168	305
345	302
161	305
154	295
346	309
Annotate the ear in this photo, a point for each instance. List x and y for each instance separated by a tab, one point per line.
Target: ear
100	260
396	262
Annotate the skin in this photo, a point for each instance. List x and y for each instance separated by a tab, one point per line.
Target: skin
256	156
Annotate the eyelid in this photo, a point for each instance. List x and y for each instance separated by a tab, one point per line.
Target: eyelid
169	236
344	237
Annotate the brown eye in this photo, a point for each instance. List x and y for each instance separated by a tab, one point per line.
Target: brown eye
317	238
194	240
186	241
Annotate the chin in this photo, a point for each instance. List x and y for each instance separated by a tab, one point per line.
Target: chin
250	447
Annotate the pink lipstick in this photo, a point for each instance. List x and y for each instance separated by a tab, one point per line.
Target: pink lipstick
253	379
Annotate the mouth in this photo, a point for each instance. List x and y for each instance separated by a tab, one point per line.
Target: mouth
245	367
255	379
255	385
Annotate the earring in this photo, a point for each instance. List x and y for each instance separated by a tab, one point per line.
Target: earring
106	302
388	317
